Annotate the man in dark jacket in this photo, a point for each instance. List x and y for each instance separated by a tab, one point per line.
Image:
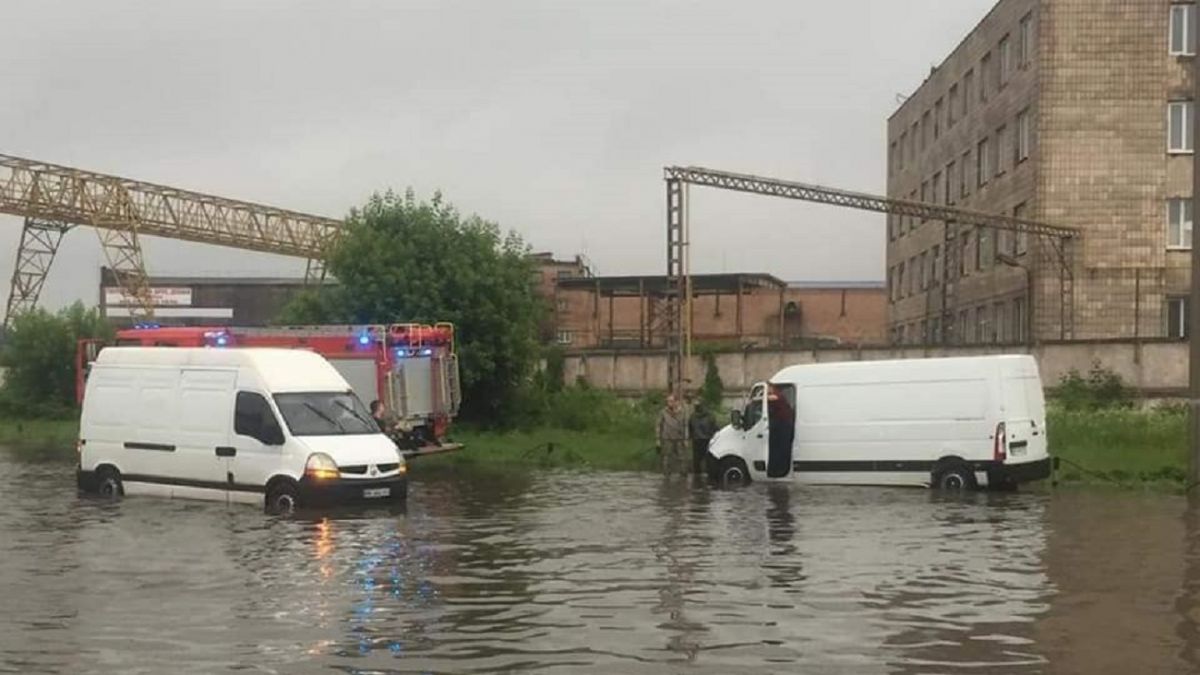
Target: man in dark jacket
701	426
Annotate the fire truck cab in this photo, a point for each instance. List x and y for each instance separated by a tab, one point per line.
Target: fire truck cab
411	368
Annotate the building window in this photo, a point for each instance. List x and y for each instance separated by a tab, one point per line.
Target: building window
1177	317
900	281
916	140
1021	244
1179	223
964	184
968	86
565	274
964	254
1001	155
1005	58
924	271
1019	321
565	337
1025	38
1000	322
983	325
935	266
982	163
1024	135
901	150
938	109
924	195
1183	29
952	110
938	189
912	276
950	168
926	129
1179	122
985	69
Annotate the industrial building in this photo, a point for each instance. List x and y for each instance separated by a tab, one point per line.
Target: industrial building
1076	113
740	311
201	301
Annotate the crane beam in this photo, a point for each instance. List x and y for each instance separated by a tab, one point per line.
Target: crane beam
123	210
50	192
775	187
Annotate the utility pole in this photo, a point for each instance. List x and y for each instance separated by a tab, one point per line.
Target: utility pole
1193	304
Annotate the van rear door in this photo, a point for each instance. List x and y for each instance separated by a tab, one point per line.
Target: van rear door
1024	416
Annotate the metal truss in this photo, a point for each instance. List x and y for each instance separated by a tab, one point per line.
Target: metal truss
123	250
678	296
39	244
858	200
314	272
40	190
123	210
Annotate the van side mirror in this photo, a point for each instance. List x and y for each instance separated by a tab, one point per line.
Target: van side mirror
735	418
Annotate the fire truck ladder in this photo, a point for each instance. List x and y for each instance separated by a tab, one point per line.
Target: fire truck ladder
677	260
53	198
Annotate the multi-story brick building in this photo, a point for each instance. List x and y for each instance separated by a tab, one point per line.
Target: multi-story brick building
1071	112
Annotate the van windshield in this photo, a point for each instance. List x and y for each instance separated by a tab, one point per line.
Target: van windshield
325	414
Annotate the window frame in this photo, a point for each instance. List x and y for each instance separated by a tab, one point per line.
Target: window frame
1025	41
1186	229
1188	145
1004	61
1024	144
1169	305
1188	9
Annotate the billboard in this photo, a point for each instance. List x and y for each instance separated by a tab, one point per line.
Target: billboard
163	296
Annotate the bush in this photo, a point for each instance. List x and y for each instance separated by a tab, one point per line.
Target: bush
712	391
39	357
1102	389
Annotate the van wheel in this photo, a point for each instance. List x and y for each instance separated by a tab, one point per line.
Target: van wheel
732	472
956	478
282	498
108	483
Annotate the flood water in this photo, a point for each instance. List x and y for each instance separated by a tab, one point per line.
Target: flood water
599	573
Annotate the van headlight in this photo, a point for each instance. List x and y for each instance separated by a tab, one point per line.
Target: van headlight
321	466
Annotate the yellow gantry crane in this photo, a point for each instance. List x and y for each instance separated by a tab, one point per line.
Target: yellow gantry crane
53	199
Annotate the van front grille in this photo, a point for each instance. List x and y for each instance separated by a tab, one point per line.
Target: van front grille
358	469
388	468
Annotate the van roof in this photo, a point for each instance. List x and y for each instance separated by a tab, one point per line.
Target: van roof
948	365
281	370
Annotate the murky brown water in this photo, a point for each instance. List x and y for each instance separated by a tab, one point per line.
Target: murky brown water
605	573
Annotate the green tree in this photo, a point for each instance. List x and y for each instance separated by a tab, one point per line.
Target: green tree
404	260
39	358
713	389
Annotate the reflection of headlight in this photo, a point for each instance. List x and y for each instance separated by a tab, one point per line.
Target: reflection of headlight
321	467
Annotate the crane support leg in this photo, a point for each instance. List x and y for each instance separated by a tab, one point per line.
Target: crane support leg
39	244
123	250
314	272
678	288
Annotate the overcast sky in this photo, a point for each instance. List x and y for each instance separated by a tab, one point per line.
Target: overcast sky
553	118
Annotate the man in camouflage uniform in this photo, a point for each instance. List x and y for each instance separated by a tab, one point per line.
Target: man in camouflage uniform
671	432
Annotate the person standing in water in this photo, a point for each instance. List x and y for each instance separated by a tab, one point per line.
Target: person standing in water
671	434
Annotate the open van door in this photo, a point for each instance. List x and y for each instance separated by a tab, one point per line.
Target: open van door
781	429
754	428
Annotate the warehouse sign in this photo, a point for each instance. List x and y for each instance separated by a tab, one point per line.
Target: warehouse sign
163	296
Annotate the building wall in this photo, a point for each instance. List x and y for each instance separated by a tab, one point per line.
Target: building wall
1096	88
1156	368
850	315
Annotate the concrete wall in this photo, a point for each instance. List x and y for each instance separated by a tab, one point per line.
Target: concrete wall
1156	368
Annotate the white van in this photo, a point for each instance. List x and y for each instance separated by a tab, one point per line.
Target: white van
278	427
953	423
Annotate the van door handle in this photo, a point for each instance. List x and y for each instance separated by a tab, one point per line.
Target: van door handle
226	451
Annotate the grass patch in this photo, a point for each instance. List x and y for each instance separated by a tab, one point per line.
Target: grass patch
1120	446
40	439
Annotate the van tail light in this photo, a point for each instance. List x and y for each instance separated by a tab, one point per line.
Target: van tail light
1000	445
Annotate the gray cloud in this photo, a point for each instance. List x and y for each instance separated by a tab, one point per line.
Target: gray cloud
553	118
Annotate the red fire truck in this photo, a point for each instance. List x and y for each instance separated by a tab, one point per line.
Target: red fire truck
411	368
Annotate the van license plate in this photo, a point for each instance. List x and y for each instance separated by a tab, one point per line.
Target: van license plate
374	493
1016	450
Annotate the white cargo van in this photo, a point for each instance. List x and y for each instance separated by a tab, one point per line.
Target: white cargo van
953	423
278	427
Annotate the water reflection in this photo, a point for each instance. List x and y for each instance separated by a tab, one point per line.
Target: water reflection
604	573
